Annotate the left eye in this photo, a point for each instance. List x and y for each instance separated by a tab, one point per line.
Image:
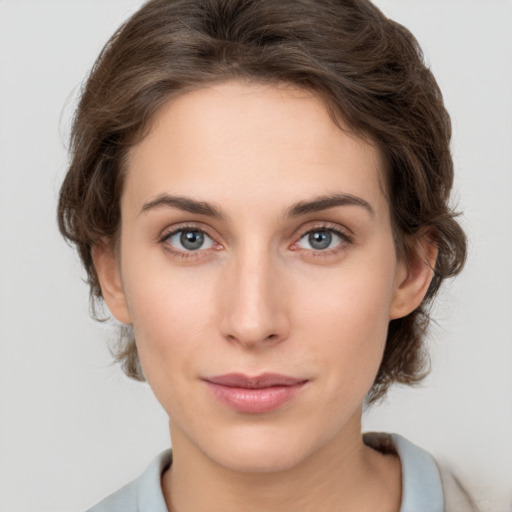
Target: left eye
320	239
190	240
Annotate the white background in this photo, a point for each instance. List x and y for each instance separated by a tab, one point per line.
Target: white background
72	427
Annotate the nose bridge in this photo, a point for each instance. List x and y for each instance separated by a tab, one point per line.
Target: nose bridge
254	312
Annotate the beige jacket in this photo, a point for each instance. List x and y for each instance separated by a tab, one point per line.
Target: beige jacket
456	498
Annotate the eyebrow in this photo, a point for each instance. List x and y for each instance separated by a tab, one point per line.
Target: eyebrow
301	208
325	202
183	203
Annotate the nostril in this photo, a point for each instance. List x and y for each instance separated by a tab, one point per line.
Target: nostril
254	339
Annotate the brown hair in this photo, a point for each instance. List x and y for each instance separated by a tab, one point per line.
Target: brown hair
368	69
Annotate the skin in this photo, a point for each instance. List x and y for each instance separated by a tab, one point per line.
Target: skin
259	297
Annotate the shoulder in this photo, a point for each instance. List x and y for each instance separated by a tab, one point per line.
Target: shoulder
426	484
144	494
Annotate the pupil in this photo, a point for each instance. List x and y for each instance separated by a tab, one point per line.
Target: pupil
192	240
320	239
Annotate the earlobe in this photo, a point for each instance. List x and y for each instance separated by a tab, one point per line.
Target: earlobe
109	275
413	278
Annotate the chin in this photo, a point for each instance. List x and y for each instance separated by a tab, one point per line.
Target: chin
260	461
261	450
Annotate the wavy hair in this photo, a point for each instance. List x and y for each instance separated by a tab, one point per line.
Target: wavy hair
368	69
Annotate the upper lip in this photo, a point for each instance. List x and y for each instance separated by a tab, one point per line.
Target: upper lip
265	380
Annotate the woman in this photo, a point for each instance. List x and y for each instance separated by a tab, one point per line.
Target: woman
259	193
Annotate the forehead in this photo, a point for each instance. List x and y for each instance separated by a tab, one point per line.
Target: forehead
252	140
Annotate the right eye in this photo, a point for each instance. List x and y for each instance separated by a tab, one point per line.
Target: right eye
322	239
187	240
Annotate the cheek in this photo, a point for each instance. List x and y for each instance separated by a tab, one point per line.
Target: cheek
353	328
346	319
172	314
354	299
170	336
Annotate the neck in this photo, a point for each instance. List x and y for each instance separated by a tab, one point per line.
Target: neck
344	474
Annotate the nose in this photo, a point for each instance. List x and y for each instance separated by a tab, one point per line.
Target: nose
254	304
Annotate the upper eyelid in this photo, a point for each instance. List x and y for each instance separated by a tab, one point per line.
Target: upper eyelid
172	230
325	226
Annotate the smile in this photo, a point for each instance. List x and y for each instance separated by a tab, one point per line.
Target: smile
254	395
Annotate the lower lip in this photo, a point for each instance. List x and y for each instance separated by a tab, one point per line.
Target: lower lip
254	401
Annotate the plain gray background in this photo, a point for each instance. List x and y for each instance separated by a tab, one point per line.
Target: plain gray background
72	427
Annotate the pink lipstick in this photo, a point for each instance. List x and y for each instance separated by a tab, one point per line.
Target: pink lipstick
256	395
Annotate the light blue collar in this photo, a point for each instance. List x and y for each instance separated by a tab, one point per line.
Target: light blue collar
422	490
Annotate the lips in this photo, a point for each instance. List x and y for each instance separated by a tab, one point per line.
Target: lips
255	395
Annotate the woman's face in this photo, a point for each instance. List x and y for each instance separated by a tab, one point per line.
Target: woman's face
258	268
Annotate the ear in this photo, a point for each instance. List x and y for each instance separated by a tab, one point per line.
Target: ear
109	275
413	277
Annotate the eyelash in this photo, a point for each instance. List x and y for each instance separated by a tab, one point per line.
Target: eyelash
344	239
178	253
